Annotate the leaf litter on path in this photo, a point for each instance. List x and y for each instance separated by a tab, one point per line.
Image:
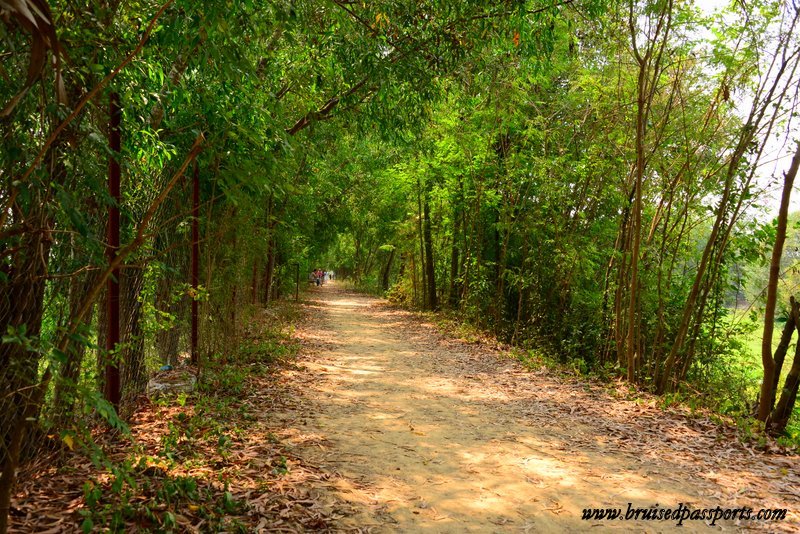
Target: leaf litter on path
493	446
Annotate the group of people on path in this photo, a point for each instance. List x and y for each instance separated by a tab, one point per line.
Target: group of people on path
319	277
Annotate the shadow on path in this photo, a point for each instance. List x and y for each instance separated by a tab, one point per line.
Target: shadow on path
437	435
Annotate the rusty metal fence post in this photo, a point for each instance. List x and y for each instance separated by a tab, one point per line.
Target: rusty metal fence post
112	375
195	275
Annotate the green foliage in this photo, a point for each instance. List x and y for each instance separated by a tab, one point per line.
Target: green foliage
148	490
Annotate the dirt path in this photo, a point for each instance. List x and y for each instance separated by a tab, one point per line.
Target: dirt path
427	433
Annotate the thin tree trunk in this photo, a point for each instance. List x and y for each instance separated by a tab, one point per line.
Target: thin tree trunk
132	366
234	300
168	340
413	276
767	394
387	270
423	267
64	396
521	288
270	268
764	100
650	66
254	284
195	267
779	417
792	322
270	253
113	388
430	271
453	292
636	228
499	268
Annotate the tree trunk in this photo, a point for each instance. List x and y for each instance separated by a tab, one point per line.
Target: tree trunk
453	292
22	292
168	340
402	269
234	290
779	417
413	276
254	284
767	394
133	372
420	231
430	271
636	225
270	225
520	288
792	322
113	391
769	93
21	306
650	67
499	267
387	270
269	268
64	396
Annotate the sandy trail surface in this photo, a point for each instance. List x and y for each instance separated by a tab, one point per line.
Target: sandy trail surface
422	432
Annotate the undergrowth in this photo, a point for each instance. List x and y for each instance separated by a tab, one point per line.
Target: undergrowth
176	469
728	400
